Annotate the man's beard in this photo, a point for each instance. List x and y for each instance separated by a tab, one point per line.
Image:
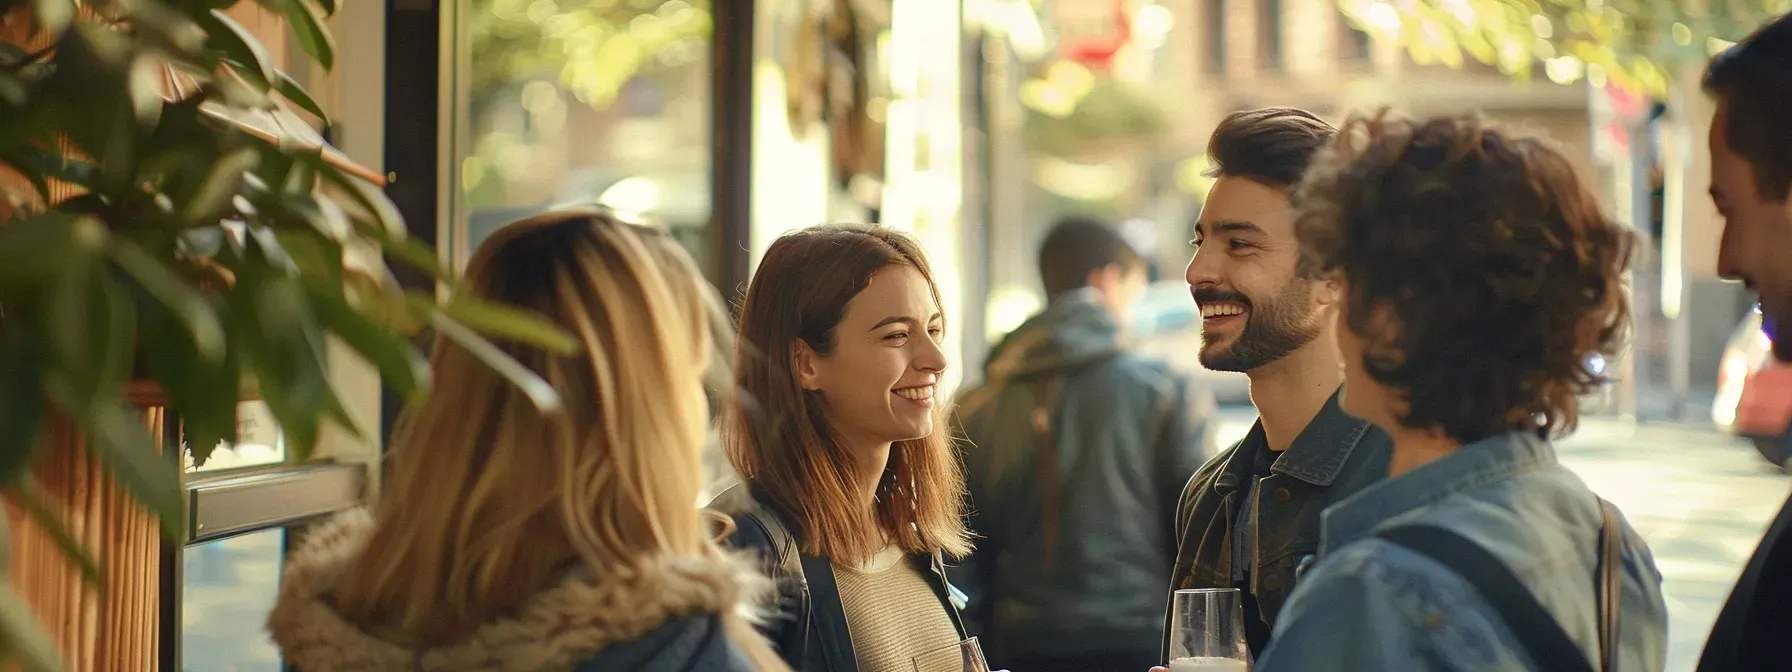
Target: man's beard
1279	326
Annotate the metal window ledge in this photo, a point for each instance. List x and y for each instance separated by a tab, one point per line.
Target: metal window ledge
227	503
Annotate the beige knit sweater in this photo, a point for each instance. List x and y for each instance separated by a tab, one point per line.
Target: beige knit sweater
897	622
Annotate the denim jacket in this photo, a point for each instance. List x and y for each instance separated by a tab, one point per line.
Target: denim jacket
1366	604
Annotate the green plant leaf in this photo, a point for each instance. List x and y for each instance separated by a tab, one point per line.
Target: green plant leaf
12	90
221	182
238	93
412	253
21	639
205	392
145	82
400	365
39	165
537	390
53	16
302	179
493	319
93	69
282	344
21	410
329	7
240	48
125	447
368	197
317	256
11	54
91	324
34	250
308	28
173	30
29	497
297	94
194	313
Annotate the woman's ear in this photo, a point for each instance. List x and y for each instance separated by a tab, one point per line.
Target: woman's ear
802	364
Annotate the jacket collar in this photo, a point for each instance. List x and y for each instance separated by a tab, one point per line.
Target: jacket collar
1316	456
1470	467
554	629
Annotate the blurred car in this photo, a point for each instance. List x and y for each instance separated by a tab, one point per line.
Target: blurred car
1167	325
1747	354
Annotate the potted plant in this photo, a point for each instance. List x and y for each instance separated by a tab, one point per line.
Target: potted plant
150	231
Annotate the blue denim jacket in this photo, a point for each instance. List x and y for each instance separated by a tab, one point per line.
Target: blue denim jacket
1366	604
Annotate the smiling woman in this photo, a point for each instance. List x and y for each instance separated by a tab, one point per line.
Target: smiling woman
843	451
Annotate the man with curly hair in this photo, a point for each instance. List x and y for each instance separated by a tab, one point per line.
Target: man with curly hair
1251	516
1751	182
1478	277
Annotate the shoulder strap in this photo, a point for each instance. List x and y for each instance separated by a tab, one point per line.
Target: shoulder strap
1611	553
784	559
1043	419
1536	629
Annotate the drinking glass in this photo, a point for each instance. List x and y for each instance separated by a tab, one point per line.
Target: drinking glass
1207	631
972	653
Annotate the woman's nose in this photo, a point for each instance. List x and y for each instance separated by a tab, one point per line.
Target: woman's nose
932	357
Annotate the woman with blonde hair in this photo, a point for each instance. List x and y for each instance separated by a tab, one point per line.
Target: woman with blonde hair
852	494
511	539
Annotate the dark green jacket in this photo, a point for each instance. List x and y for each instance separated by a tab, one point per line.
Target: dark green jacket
1334	457
1075	452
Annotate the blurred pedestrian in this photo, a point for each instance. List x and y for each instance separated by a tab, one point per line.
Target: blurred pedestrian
1751	182
851	493
1250	516
508	538
1479	281
1075	451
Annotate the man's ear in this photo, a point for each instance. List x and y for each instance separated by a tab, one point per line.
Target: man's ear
1328	290
1106	279
802	364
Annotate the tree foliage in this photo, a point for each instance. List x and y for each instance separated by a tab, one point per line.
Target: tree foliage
593	48
1636	44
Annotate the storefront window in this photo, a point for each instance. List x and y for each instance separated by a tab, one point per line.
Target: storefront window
228	588
564	103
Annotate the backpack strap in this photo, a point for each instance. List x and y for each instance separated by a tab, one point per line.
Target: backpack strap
1537	631
761	526
1611	553
1047	468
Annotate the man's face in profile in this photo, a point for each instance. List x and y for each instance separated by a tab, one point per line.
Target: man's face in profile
1255	308
1757	239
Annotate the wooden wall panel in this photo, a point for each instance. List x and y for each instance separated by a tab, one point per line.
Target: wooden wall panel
96	629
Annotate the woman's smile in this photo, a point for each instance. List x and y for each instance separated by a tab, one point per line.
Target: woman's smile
920	395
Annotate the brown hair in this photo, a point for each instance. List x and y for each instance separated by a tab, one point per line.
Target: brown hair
783	443
1754	79
1271	145
1501	274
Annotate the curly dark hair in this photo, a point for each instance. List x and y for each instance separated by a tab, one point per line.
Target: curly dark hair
1481	273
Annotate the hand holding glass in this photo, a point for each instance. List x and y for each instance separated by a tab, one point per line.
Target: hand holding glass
1207	632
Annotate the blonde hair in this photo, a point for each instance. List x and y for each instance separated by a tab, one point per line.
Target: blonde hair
488	500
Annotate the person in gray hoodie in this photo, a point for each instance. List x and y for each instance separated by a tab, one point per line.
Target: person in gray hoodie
1076	450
